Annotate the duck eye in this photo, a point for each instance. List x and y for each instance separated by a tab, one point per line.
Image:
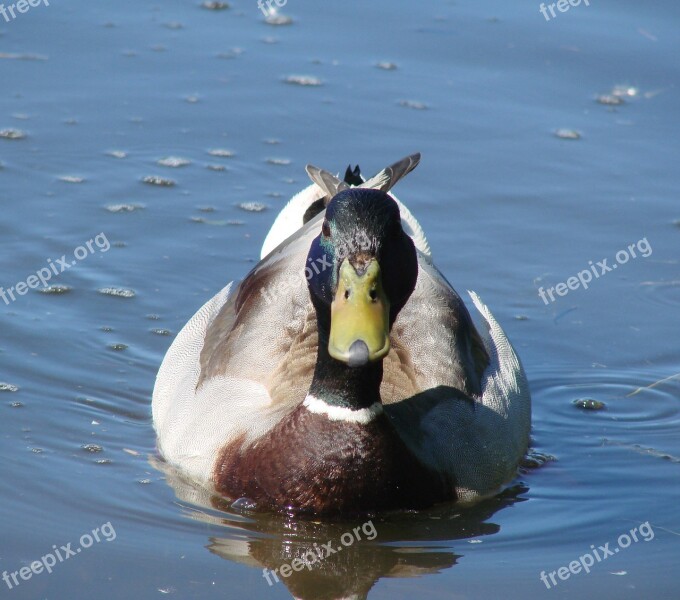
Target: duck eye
326	229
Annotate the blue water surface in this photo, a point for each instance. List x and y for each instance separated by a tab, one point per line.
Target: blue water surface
547	144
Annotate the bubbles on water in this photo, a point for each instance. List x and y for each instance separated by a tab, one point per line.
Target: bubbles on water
618	95
589	404
92	448
117	292
233	53
174	162
117	153
413	104
277	20
387	66
12	134
215	223
625	91
278	161
610	100
252	206
159	181
55	289
71	178
567	134
123	208
8	387
222	153
303	80
161	332
117	347
213	5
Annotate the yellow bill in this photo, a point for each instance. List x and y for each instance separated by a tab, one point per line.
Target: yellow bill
359	316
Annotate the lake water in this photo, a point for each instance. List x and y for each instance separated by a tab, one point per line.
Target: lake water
103	91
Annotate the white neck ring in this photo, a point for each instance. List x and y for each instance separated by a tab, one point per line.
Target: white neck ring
362	416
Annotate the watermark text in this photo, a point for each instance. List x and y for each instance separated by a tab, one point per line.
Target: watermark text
311	557
47	562
54	268
561	5
600	268
599	554
266	6
11	11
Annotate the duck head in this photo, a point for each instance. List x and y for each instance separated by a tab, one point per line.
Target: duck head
362	268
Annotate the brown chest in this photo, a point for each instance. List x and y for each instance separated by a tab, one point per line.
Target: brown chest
309	463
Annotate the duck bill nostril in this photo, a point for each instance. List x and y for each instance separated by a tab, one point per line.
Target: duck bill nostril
359	316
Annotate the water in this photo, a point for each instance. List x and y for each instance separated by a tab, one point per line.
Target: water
103	92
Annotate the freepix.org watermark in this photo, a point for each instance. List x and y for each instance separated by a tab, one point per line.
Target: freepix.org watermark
315	556
561	5
11	11
600	268
316	267
54	268
599	554
266	6
104	532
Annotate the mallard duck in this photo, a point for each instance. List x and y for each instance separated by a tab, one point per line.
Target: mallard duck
344	374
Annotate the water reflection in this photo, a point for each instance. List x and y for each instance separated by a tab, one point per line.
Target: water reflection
403	544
